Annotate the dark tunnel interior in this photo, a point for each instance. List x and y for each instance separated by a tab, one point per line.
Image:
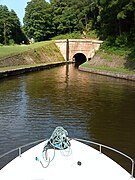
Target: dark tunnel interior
79	59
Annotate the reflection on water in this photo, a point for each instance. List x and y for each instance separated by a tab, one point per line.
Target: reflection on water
88	106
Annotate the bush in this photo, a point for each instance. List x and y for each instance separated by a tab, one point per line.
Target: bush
11	42
74	35
122	40
92	34
110	41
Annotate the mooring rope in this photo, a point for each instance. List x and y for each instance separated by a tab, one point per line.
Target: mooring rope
59	140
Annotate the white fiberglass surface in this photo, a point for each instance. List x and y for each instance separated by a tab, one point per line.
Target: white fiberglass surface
79	162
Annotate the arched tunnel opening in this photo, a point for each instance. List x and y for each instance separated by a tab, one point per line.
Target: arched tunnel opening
79	59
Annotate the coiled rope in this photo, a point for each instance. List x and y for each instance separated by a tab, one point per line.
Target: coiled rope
59	140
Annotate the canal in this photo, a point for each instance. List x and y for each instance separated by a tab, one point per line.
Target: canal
89	106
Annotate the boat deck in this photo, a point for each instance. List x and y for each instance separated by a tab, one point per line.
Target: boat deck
79	162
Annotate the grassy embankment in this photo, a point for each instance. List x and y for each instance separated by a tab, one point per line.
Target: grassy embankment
6	51
19	56
114	59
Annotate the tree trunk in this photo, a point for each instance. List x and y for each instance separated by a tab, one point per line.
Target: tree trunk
5	39
119	23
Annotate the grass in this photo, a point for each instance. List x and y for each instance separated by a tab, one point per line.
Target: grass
92	34
120	51
107	57
36	54
119	55
76	35
6	51
117	70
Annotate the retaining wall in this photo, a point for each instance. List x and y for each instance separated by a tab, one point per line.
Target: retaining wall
109	73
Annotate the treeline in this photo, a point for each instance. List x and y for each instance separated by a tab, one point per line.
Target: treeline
112	20
10	28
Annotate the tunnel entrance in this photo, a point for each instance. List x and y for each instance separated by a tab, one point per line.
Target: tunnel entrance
79	59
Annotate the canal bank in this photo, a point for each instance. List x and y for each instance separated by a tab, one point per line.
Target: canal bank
120	75
13	71
35	57
111	64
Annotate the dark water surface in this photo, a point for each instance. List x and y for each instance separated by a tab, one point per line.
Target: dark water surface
89	106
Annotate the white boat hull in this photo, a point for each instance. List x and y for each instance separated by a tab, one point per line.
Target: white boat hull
81	162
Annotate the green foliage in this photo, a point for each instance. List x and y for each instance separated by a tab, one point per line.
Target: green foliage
43	20
74	35
10	27
110	20
116	50
109	42
92	34
121	40
68	16
38	20
11	42
116	41
115	18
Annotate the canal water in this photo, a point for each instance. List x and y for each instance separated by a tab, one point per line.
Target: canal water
89	106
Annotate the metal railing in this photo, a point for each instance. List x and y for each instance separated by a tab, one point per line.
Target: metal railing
19	149
112	149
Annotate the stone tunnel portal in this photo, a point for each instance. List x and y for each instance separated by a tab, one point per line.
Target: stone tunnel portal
79	59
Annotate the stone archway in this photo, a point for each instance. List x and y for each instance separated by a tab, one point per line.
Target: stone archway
71	47
79	59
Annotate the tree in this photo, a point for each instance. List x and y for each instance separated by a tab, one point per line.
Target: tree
4	26
126	16
114	18
10	28
69	15
58	8
17	34
37	20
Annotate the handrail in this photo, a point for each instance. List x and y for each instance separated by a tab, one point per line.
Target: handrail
32	143
19	149
112	149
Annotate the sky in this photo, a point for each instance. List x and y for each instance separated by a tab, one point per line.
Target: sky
17	5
